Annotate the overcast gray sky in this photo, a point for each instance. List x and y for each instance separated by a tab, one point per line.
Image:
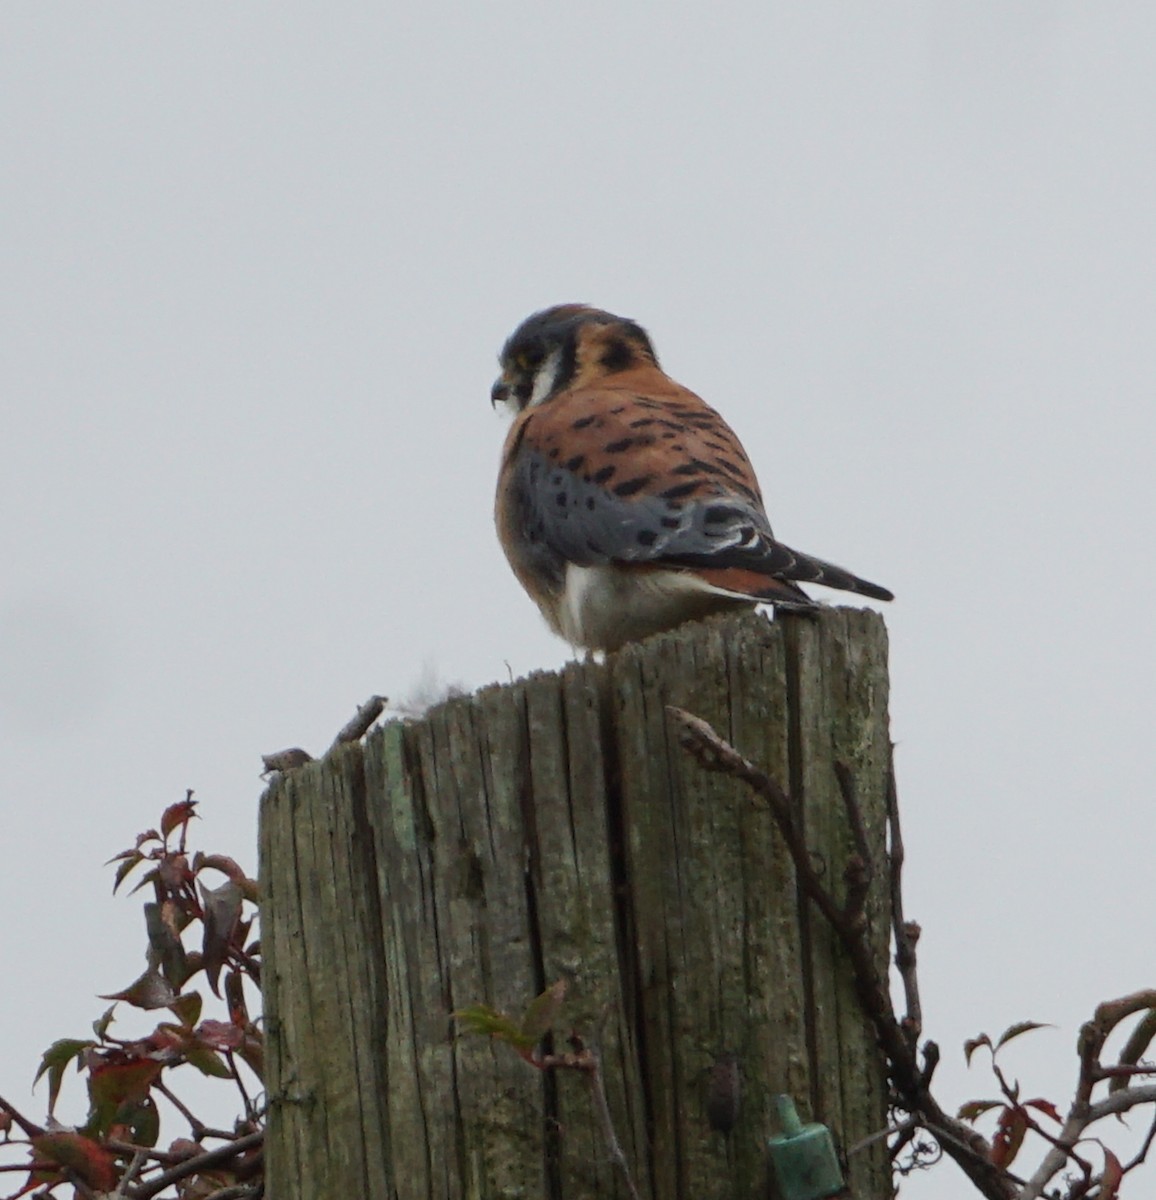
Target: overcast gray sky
257	261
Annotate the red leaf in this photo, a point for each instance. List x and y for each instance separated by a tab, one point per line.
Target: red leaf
144	881
1110	1179
124	1079
94	1165
235	998
174	872
1009	1137
221	1035
178	814
973	1044
252	1052
1046	1107
131	862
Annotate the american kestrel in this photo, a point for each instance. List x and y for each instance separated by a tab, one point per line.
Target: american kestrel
625	504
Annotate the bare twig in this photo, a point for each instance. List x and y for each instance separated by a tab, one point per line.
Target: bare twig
27	1126
138	1160
197	1127
857	873
586	1059
598	1094
131	1148
899	1130
352	731
358	725
1079	1119
906	932
1142	1153
966	1146
196	1164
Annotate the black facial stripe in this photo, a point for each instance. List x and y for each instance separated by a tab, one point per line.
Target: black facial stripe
617	355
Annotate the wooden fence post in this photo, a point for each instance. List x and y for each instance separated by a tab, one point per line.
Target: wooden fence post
553	828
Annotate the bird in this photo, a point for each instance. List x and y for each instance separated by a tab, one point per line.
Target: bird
625	504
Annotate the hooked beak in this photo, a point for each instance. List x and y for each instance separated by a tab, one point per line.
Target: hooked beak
499	393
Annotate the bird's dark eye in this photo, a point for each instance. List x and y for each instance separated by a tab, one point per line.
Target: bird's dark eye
528	360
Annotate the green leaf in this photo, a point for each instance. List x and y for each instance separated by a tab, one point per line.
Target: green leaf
187	1008
56	1059
208	1062
481	1019
145	1123
542	1012
101	1024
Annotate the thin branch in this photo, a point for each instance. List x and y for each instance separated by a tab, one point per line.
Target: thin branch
966	1146
138	1160
27	1126
200	1162
586	1059
598	1094
197	1127
902	1129
857	874
906	932
1142	1153
1080	1118
250	1111
131	1148
358	725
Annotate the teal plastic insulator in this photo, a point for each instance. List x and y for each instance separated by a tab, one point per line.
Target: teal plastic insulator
803	1157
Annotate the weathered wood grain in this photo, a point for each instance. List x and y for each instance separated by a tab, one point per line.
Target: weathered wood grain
553	828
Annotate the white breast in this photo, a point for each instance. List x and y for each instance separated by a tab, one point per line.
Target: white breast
604	607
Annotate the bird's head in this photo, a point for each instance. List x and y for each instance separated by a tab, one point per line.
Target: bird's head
569	345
